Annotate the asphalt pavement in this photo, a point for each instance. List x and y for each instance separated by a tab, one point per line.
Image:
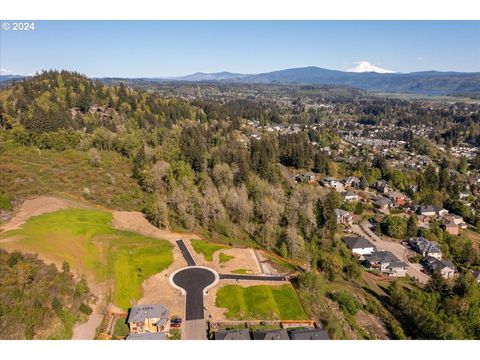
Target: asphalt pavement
193	281
251	277
186	254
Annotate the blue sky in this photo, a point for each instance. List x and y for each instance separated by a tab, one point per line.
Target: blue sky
172	48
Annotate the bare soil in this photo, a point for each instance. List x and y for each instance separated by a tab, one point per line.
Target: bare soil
372	325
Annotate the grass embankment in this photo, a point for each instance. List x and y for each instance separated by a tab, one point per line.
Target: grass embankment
206	249
261	302
241	271
86	240
28	171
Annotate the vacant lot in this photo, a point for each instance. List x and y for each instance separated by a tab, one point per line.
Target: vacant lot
261	302
28	171
85	239
206	249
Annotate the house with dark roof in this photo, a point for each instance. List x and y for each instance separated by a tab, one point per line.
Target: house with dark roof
235	334
306	177
425	247
387	263
444	267
277	334
352	181
343	217
148	319
382	203
350	196
309	334
382	186
359	245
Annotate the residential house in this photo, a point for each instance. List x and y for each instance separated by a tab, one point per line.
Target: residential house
278	334
343	217
235	334
431	210
457	219
463	195
359	245
444	267
382	203
427	210
309	334
382	186
351	181
425	247
398	198
148	319
350	196
331	182
387	263
306	177
450	227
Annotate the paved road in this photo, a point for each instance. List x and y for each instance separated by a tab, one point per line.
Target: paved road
395	248
193	281
252	277
186	254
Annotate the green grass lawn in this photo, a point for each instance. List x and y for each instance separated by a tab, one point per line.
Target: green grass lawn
121	328
85	239
206	249
281	264
261	302
223	258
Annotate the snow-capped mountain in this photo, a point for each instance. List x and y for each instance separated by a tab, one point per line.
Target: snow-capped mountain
365	66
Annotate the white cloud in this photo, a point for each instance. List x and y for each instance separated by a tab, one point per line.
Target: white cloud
4	71
420	58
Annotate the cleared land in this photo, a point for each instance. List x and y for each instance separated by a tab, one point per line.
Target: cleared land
86	240
261	302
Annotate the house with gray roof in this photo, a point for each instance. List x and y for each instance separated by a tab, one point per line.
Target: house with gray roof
343	217
277	334
425	247
234	334
359	245
309	334
147	319
444	267
387	263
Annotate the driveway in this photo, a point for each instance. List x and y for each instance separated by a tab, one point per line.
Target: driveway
396	249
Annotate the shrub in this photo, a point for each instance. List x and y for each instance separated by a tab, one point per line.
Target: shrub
85	309
347	302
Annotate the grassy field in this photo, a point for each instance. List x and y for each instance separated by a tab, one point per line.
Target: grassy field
27	171
261	302
85	239
206	249
223	258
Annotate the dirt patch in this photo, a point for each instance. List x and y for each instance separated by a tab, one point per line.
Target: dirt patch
135	221
372	325
242	259
34	207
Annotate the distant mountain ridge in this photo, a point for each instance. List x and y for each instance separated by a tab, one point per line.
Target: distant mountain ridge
423	82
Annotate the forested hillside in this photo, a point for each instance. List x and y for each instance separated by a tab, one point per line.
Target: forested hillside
200	165
38	301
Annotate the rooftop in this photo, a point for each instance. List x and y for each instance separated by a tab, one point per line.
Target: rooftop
139	313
